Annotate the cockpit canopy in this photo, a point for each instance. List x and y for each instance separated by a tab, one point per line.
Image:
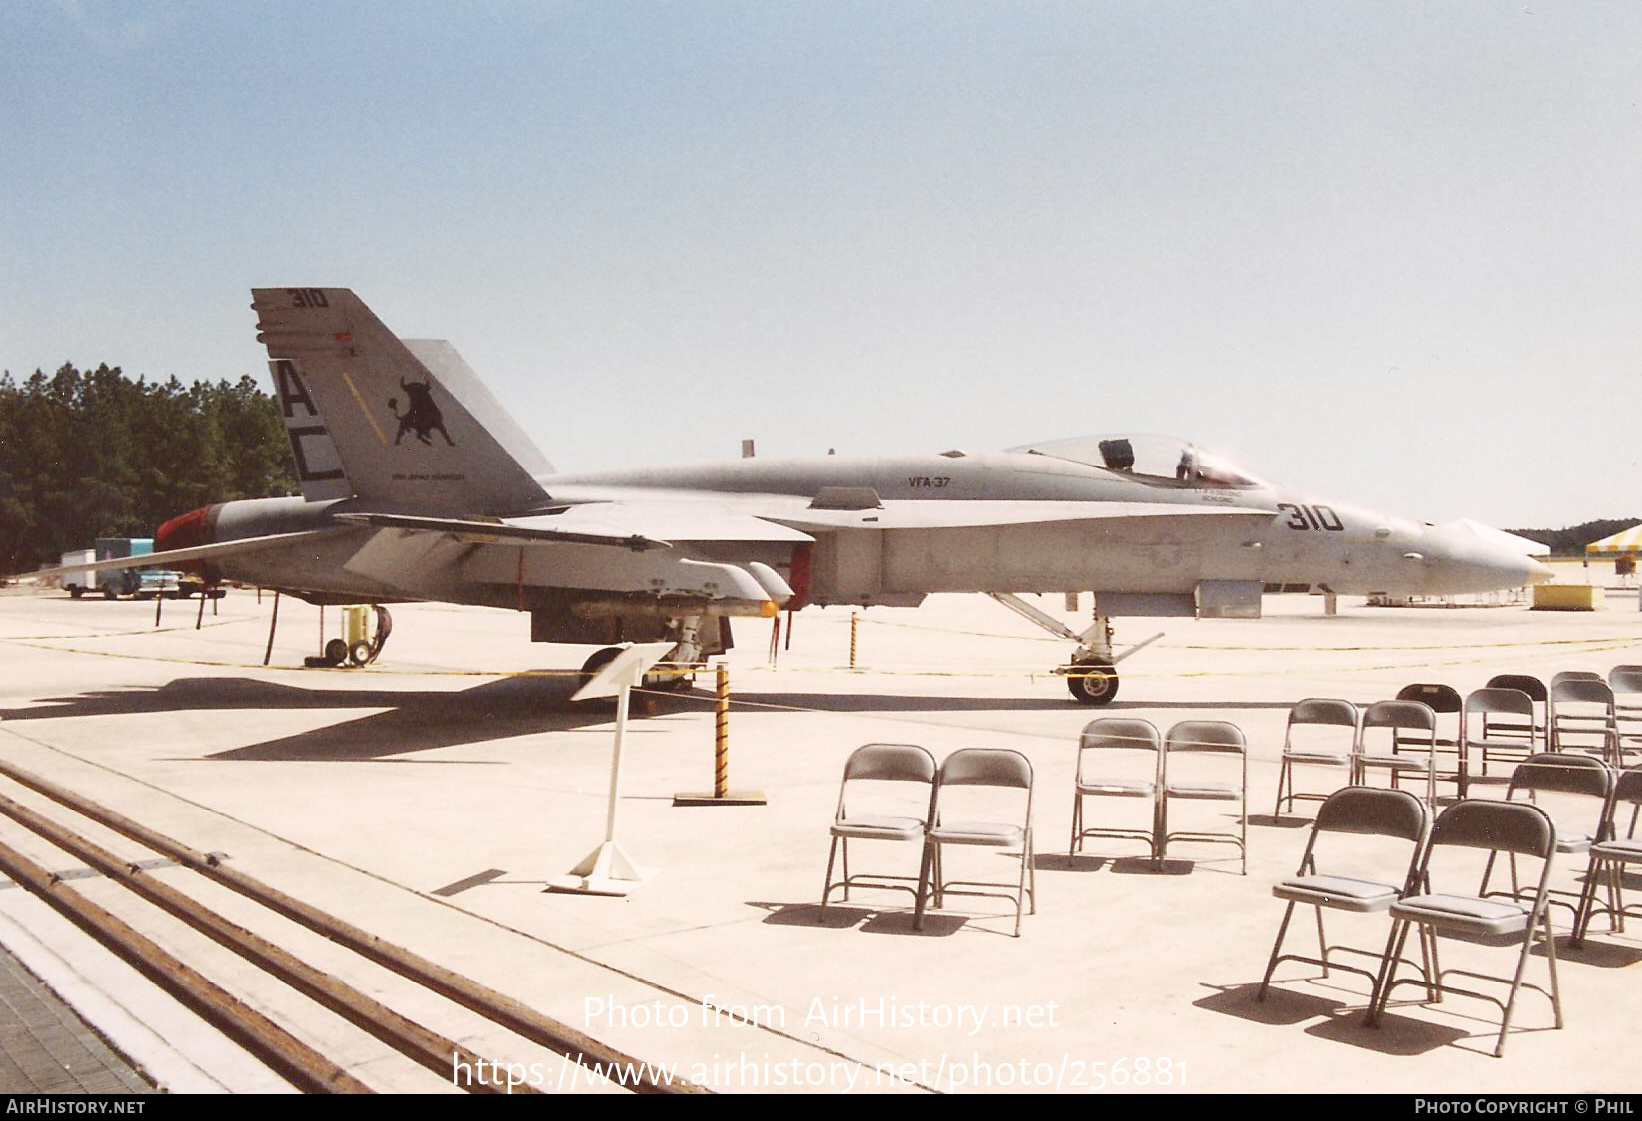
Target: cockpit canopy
1161	460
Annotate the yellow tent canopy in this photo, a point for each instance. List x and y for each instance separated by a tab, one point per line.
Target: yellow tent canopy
1625	543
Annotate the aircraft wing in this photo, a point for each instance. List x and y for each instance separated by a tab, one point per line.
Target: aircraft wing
960	513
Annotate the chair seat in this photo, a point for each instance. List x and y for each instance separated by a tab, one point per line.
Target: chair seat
883	828
1618	850
1315	757
1341	892
978	833
1574	842
1513	746
1395	762
1120	788
1464	914
1204	791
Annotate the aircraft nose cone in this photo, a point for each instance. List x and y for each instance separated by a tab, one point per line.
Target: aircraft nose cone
1469	557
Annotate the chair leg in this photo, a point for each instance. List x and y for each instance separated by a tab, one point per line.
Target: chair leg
923	885
1276	950
1077	824
1032	871
1388	971
1550	960
1587	903
1516	983
826	887
1322	941
1285	772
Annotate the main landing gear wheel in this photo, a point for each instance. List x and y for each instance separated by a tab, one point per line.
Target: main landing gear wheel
1092	682
596	662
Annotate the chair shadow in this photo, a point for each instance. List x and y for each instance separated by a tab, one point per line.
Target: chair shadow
1596	953
1282	1007
868	920
1285	822
1395	1035
1117	865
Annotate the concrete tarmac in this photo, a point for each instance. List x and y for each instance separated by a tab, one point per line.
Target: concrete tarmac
431	797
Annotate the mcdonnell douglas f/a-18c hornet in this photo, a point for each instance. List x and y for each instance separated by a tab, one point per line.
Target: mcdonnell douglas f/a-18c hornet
416	485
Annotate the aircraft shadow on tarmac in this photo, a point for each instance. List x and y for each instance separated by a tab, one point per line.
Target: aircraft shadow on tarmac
416	720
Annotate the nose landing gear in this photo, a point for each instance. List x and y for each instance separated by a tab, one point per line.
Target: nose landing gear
1091	673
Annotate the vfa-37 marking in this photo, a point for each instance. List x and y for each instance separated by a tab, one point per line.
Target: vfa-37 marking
456	504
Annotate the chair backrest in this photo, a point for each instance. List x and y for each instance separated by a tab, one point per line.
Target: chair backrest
1438	698
1322	710
1205	735
1373	810
1500	826
1574	675
986	766
1581	690
1561	773
1415	715
1120	733
1522	682
890	762
1625	679
1513	702
1628	787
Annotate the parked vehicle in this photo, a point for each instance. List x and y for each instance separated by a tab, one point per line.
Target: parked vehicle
143	583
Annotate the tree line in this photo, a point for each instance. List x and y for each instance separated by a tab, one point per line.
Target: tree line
88	454
1571	541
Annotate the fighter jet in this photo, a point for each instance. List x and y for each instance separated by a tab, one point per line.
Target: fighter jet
416	485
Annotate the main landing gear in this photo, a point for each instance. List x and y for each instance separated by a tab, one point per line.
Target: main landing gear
676	672
1091	673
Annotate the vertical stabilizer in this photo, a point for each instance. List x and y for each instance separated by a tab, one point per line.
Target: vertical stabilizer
406	427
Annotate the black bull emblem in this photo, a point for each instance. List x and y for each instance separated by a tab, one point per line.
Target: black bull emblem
421	416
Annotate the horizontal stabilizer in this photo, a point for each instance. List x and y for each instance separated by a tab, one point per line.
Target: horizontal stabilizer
195	553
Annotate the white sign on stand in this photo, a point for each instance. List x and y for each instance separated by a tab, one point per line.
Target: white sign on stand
607	870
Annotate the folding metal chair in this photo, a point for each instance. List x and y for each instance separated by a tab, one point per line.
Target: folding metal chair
1118	758
1537	692
1360	810
1412	730
978	767
1511	827
1582	710
1315	712
1205	737
1626	683
1444	701
1565	778
1496	724
1611	855
876	763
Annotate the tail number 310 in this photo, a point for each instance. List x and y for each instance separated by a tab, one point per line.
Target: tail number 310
1312	517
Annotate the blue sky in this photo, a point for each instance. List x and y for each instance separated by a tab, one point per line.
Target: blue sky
1389	251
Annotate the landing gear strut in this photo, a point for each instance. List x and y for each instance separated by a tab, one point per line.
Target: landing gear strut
1091	676
681	663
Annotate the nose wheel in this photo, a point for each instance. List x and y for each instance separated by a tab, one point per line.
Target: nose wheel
1092	681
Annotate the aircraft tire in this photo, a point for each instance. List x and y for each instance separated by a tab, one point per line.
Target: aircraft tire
1093	690
597	661
359	653
336	652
